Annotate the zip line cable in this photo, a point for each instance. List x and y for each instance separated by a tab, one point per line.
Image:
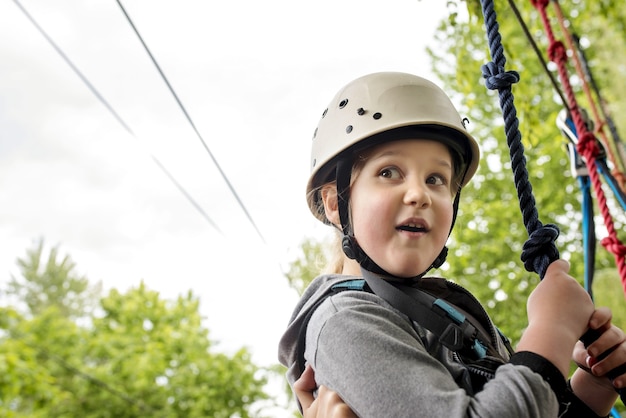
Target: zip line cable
193	126
73	67
187	195
102	100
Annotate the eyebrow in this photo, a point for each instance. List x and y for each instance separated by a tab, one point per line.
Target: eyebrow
439	161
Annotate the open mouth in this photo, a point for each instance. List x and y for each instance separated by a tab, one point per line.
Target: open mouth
412	228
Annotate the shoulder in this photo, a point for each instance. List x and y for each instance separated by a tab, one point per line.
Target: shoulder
350	314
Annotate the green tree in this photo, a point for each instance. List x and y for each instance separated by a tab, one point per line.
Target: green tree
159	353
486	244
139	355
52	282
487	241
313	258
33	362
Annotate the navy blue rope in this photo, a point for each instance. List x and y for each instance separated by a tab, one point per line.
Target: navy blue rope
540	249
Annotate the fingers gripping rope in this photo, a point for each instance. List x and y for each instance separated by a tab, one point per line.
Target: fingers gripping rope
540	249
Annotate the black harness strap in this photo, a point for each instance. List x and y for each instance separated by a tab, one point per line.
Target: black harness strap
436	315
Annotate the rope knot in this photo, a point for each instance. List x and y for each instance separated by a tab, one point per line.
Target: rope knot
540	249
613	245
496	78
588	146
557	52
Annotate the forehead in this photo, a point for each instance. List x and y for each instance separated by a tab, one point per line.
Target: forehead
404	146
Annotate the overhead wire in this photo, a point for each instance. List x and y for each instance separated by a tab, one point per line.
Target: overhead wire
117	117
192	124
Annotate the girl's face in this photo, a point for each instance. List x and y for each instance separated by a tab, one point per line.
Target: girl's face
401	203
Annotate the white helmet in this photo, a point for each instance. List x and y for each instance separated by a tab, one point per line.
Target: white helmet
382	107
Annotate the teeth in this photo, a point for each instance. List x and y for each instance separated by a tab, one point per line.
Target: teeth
413	227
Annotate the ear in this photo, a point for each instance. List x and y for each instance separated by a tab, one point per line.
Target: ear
331	206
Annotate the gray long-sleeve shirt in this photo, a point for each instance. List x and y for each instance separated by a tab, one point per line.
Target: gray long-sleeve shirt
384	365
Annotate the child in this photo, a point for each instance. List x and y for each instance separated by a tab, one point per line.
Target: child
389	158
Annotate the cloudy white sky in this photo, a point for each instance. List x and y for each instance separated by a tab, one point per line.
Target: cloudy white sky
254	76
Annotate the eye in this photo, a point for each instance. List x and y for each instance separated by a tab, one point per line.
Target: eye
390	173
437	180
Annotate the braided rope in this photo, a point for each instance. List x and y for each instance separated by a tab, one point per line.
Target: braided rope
587	143
600	123
540	249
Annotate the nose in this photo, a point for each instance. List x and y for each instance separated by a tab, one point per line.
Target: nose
417	194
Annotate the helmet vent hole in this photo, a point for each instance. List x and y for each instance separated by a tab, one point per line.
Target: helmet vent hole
377	115
325	112
348	129
343	103
360	111
315	133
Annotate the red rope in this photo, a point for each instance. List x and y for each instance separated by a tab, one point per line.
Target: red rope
617	172
587	142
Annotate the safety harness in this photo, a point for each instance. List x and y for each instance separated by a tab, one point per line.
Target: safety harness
453	328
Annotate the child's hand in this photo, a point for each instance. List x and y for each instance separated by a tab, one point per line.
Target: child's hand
602	365
559	310
604	356
559	300
328	404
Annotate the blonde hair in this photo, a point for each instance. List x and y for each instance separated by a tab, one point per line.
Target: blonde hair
335	255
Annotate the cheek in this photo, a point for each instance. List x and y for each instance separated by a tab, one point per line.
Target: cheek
369	215
445	214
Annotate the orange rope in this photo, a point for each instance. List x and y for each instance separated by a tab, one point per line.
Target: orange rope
618	166
587	145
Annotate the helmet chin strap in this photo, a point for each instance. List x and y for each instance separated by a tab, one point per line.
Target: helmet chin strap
350	246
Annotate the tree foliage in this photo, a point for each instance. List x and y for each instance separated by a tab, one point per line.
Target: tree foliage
302	270
140	355
489	235
52	282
